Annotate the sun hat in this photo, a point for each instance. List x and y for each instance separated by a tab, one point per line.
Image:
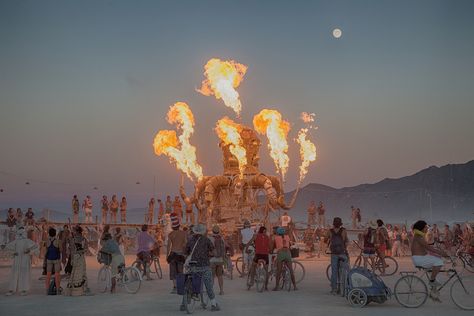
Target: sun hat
199	229
372	224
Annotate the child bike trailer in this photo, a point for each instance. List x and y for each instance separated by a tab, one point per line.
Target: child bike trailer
363	287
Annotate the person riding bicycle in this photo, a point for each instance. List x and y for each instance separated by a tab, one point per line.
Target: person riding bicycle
145	243
338	245
246	235
262	250
111	247
282	248
420	249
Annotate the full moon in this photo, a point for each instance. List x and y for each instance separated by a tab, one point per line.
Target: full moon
337	33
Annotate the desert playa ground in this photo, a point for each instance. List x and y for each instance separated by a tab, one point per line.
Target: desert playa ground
154	298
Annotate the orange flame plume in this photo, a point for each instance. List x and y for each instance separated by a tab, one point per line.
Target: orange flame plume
229	132
222	77
307	152
166	142
270	123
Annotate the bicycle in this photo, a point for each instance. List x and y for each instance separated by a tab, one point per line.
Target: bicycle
391	265
343	270
129	278
239	262
190	298
412	292
154	265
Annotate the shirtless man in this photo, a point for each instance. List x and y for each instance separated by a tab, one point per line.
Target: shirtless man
420	256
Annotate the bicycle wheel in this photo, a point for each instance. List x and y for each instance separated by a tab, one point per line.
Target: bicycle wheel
391	266
411	291
138	264
357	298
286	284
260	278
462	292
239	262
189	301
328	272
103	279
298	270
131	280
157	268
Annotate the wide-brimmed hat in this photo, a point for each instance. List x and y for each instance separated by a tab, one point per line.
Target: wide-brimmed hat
200	229
372	224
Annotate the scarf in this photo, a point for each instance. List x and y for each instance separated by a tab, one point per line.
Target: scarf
419	233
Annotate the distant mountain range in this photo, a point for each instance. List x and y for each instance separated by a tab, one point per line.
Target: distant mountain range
439	193
436	193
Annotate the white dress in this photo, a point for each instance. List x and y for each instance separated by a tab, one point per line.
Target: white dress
20	277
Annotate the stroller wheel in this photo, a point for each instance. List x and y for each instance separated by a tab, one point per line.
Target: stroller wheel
357	298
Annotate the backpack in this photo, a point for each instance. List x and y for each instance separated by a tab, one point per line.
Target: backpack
219	249
337	244
262	242
52	253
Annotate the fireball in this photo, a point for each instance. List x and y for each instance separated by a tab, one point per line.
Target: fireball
229	132
271	124
222	78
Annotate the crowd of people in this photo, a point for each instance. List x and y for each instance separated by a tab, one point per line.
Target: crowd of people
203	250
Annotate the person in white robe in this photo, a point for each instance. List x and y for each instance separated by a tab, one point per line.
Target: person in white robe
22	249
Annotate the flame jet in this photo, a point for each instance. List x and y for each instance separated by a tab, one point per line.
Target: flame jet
229	132
307	152
222	77
270	123
179	149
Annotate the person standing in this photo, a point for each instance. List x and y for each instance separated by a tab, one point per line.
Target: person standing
123	210
321	215
114	205
189	213
105	209
353	217
161	211
87	207
178	208
396	241
285	220
75	209
436	233
217	259
338	244
151	210
199	247
19	217
176	247
368	252
447	238
120	240
381	242
11	224
77	283
64	236
53	262
168	205
20	276
29	217
312	213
